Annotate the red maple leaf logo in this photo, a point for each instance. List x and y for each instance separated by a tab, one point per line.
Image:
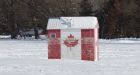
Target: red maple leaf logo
71	41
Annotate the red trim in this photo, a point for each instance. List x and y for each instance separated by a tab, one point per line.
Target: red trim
54	47
87	44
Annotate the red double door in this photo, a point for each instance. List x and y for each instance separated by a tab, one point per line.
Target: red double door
87	44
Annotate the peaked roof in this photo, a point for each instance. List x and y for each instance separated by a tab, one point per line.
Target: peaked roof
72	23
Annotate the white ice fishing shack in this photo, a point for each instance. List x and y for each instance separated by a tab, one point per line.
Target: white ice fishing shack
73	38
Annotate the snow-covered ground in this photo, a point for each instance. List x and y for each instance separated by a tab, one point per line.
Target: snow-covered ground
5	37
21	57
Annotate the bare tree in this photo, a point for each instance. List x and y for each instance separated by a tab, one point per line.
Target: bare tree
63	8
11	17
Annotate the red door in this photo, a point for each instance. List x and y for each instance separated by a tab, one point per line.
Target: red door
87	44
54	44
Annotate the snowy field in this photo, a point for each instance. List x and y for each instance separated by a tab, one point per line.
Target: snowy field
117	57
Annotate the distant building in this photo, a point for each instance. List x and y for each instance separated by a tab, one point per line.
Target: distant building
73	38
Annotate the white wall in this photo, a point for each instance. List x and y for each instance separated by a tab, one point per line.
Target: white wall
96	43
73	52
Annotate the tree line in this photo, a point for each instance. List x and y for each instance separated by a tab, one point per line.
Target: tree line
117	18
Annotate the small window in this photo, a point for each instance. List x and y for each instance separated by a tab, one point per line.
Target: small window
53	36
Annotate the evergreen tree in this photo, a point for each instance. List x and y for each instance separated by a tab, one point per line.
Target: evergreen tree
86	8
112	18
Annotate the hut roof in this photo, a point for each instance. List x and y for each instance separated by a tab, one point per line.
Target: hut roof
72	23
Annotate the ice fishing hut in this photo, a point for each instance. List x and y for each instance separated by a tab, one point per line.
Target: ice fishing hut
73	38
